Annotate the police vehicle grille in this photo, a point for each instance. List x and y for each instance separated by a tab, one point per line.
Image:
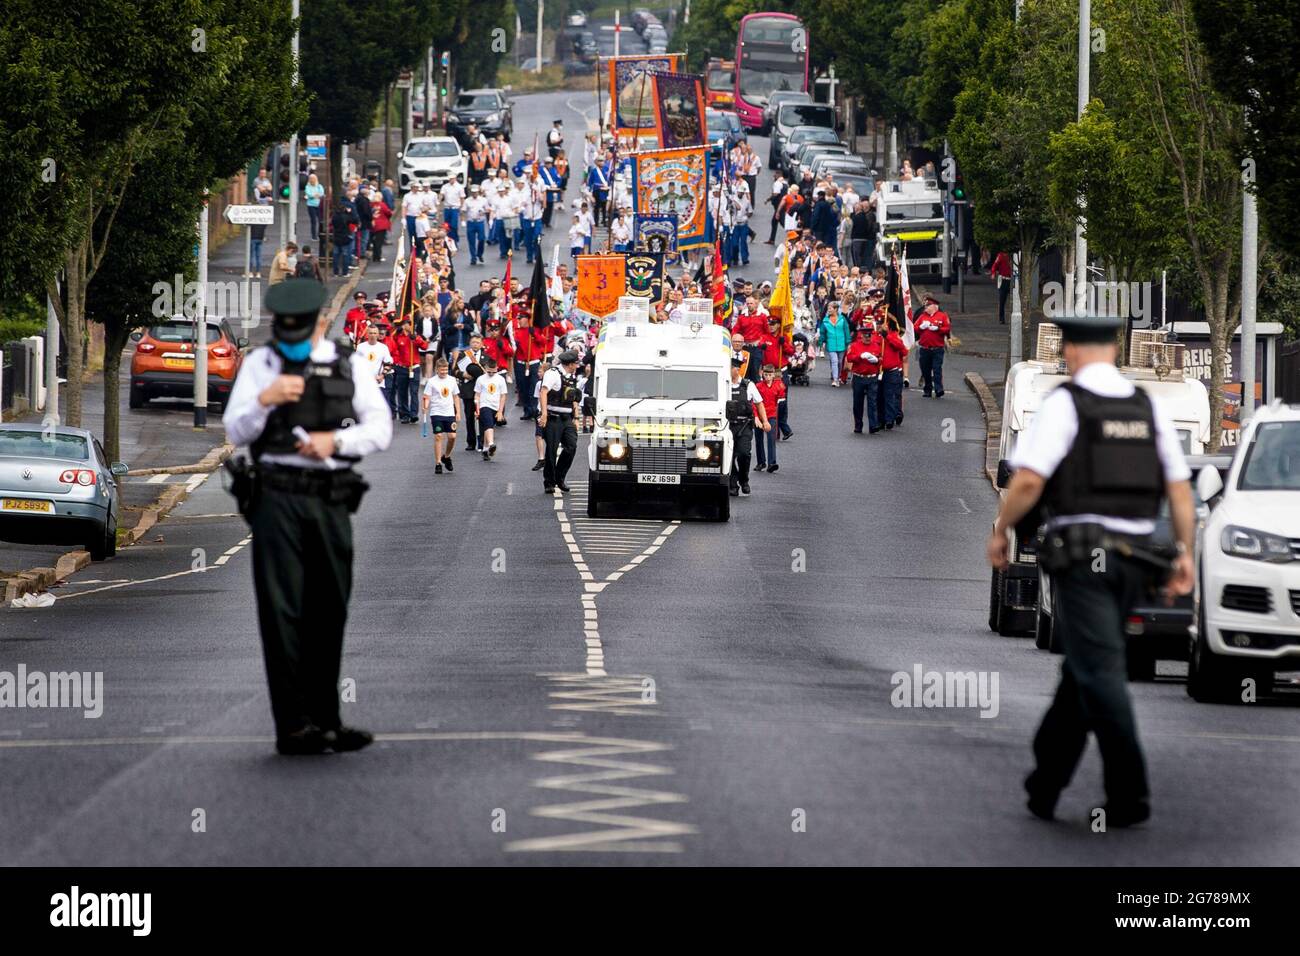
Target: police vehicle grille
1246	597
659	460
1295	549
1295	603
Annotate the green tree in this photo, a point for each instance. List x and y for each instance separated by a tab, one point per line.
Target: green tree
1252	49
106	74
1155	80
351	50
1018	94
249	102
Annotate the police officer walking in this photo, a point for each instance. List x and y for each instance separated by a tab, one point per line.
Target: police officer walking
1098	460
308	409
742	405
560	396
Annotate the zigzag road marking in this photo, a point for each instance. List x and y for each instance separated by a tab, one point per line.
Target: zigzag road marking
610	695
626	833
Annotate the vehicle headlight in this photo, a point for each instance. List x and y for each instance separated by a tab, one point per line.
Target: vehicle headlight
703	452
493	118
453	118
1256	545
611	450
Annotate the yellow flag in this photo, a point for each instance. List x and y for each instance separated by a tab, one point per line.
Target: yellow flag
781	304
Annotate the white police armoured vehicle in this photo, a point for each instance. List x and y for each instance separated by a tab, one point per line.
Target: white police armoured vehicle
1020	596
661	431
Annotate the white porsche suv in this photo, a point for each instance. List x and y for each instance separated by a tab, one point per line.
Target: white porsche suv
1248	563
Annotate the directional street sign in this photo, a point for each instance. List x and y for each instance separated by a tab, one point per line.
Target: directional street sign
250	215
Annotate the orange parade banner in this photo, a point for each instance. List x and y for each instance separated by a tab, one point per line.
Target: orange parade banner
601	280
632	95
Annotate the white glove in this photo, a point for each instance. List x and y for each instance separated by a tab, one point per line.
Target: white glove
871	358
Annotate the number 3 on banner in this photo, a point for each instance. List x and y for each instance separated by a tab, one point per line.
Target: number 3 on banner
601	282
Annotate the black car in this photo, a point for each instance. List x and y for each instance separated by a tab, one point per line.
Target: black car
488	109
1154	630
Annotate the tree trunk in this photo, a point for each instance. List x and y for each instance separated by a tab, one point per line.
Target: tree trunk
74	332
115	338
1215	282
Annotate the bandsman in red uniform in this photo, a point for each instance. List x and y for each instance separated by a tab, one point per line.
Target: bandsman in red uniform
405	349
933	329
357	320
528	355
865	359
891	378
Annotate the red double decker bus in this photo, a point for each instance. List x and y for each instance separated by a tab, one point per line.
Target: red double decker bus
771	55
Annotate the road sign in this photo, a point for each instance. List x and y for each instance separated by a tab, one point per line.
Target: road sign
316	146
403	80
250	215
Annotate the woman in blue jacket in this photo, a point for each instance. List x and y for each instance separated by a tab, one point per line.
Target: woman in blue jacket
834	333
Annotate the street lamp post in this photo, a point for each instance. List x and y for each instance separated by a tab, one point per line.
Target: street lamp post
1080	239
293	141
201	324
541	9
1249	279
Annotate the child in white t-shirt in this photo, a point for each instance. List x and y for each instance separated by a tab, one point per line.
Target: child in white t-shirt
489	404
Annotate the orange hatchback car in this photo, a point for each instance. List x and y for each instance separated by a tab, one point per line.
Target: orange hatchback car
163	363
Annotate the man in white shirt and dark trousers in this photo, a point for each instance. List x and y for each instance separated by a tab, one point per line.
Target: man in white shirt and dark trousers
308	409
560	396
1096	463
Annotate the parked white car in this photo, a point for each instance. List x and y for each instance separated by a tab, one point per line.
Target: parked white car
431	161
1248	563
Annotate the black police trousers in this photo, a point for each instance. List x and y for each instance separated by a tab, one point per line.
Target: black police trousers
561	437
741	452
302	574
1090	601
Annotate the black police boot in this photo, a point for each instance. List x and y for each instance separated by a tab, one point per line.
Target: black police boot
1041	804
1127	814
306	741
348	738
562	486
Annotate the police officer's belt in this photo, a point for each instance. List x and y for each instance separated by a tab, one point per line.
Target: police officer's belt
322	482
1077	543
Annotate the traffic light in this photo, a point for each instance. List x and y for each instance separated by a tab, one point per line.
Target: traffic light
959	189
284	173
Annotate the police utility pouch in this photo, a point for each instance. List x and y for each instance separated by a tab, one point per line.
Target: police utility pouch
243	483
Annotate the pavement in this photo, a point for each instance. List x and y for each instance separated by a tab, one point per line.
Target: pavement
552	689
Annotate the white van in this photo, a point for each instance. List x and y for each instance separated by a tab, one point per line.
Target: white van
910	215
661	429
1015	593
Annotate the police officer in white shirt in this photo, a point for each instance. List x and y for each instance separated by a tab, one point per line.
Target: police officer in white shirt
308	409
1097	461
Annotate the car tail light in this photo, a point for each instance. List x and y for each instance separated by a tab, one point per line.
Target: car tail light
78	476
221	351
146	347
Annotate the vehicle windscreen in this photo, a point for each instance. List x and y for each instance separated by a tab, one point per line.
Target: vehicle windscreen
1273	459
420	150
915	210
806	114
180	332
721	81
679	384
480	101
34	444
818	134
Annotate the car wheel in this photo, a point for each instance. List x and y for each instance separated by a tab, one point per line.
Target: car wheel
1211	679
105	546
593	503
136	398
